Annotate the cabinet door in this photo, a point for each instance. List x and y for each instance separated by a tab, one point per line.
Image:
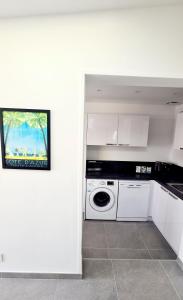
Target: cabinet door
124	130
174	222
178	138
133	130
102	129
155	203
159	207
133	201
139	131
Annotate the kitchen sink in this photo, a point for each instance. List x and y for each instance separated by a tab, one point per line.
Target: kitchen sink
177	186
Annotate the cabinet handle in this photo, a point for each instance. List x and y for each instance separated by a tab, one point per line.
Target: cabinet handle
181	148
174	197
123	144
134	187
164	189
110	144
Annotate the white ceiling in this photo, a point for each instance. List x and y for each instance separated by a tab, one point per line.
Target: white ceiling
10	8
133	90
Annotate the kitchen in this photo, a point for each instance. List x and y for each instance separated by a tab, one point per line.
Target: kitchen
133	206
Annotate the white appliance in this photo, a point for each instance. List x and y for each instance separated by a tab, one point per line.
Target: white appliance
101	199
133	201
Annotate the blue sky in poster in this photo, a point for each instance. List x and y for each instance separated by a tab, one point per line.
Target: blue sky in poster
26	139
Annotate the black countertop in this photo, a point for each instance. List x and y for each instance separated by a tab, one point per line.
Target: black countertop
169	188
119	170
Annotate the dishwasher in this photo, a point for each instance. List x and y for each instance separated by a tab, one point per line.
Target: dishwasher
133	201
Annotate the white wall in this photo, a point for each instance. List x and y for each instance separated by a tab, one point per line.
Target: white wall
176	156
41	62
160	132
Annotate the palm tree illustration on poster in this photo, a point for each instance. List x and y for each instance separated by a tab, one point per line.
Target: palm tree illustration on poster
25	138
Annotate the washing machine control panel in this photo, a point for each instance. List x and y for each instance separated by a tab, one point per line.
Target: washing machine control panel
110	183
102	183
95	184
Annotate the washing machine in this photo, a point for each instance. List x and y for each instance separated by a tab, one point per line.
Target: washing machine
101	199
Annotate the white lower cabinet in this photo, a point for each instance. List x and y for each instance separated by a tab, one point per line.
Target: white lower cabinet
159	207
133	201
167	214
174	222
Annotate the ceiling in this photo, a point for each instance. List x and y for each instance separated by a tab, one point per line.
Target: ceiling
11	8
133	90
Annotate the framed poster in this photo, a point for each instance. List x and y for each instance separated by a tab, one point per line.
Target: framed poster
25	138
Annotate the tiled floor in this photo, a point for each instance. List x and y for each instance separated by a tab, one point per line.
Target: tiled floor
124	240
104	280
120	268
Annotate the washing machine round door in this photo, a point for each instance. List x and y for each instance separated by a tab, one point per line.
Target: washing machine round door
102	199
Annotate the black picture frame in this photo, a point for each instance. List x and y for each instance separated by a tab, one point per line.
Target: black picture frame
27	164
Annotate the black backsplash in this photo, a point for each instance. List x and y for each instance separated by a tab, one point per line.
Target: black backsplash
118	169
128	170
176	174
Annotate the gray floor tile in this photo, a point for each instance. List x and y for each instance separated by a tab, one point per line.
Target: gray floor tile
85	290
142	280
163	254
151	236
95	253
97	270
27	289
129	236
98	283
93	235
176	275
128	254
123	235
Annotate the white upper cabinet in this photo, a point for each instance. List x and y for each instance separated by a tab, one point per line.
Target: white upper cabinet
102	129
113	129
133	130
124	130
178	139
